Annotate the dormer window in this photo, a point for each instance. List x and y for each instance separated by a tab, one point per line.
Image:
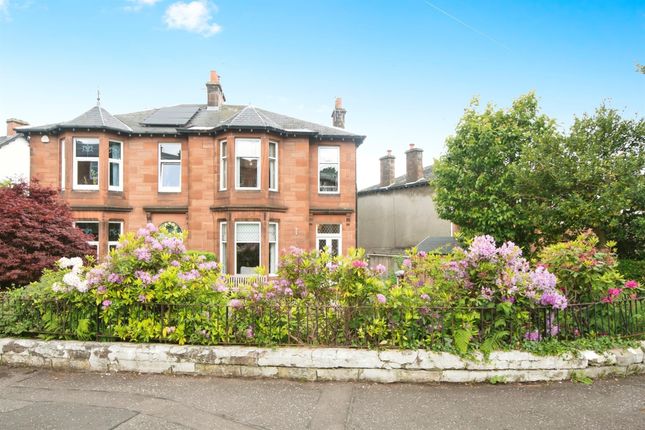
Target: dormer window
86	164
247	164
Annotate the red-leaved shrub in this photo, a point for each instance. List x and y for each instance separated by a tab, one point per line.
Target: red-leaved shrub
36	229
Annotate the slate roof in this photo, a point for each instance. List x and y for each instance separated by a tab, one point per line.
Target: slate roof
400	182
437	244
5	140
203	120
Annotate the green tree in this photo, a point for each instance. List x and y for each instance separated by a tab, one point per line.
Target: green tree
511	174
591	178
475	184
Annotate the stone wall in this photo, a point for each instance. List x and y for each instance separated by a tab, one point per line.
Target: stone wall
315	364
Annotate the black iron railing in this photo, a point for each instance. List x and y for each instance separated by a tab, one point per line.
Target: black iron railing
296	323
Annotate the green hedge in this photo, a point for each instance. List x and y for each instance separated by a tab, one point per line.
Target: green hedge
632	269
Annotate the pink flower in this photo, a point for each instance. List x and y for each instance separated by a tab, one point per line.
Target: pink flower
249	332
106	304
631	284
235	303
407	263
359	264
380	269
381	298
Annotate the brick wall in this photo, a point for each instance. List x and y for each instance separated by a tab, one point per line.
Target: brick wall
200	206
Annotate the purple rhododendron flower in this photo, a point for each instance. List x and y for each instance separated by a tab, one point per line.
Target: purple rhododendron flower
235	303
106	304
189	276
142	298
143	276
175	263
115	278
381	298
101	289
532	336
407	263
249	332
380	269
209	265
142	254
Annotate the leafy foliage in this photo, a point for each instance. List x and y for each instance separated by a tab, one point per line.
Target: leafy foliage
511	173
35	230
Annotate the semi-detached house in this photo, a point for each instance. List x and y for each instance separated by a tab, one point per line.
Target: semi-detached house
244	182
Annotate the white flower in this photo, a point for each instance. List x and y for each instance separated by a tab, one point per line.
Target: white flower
72	279
57	287
76	263
64	263
82	286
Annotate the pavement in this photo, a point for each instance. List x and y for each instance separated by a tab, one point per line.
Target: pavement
46	399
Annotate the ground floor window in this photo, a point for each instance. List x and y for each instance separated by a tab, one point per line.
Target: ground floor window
115	230
90	228
223	246
247	247
170	227
273	248
329	236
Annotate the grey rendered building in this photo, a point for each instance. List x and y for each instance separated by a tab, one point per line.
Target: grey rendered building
399	212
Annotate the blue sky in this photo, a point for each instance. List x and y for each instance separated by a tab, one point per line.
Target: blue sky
405	69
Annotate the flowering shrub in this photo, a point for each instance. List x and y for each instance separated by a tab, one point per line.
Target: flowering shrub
151	288
586	272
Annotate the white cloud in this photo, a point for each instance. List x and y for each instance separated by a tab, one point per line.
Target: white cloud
137	5
194	17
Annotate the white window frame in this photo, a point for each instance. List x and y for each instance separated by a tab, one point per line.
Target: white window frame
113	243
273	170
330	236
75	184
115	161
92	243
223	165
277	249
237	165
223	246
161	188
337	168
259	224
63	164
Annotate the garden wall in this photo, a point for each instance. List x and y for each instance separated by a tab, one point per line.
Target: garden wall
315	364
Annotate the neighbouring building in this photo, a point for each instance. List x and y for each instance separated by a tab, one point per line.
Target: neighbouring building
244	182
14	153
399	213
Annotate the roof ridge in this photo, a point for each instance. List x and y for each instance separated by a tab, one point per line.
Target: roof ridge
101	114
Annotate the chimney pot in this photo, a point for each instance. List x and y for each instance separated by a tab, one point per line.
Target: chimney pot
387	169
413	164
338	115
13	123
214	92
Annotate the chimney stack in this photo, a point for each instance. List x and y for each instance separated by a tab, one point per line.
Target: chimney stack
338	114
413	164
13	123
214	91
387	169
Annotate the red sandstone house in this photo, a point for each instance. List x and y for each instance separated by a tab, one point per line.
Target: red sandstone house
244	182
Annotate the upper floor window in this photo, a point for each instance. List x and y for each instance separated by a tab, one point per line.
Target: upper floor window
170	167
115	161
273	166
247	164
86	164
328	169
223	165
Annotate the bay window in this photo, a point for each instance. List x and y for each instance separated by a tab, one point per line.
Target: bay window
247	247
223	246
247	164
273	166
90	228
328	169
273	248
115	230
223	165
170	167
86	164
115	161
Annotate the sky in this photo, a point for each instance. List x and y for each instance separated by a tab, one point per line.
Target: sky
406	70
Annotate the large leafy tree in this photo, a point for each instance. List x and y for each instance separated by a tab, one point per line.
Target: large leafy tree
36	229
594	177
476	186
511	174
